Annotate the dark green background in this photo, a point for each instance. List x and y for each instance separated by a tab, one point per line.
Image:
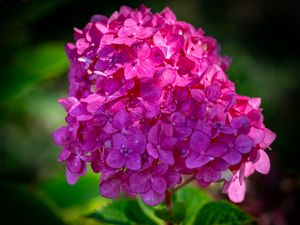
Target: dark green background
262	37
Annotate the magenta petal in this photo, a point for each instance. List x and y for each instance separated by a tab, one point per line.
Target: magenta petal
130	72
153	198
153	134
74	163
241	123
195	161
60	135
168	143
150	92
236	191
115	159
145	32
213	92
64	155
243	144
142	50
72	178
157	56
110	189
257	135
119	140
232	157
216	150
133	161
67	103
185	66
159	184
167	77
198	95
137	142
175	43
152	151
139	183
262	163
182	132
166	157
269	137
199	141
145	69
121	120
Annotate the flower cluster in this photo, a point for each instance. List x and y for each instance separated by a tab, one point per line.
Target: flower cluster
150	103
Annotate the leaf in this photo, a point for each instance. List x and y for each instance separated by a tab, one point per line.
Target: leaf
175	216
23	206
122	212
222	213
135	213
31	66
65	195
194	199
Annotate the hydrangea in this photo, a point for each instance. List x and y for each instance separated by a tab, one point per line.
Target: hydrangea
150	103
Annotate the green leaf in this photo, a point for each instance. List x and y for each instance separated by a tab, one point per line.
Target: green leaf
122	212
222	213
176	215
194	199
31	66
135	213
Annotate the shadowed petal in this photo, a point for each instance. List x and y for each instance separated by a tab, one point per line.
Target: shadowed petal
195	161
139	183
153	198
110	189
133	161
243	144
115	159
159	184
72	178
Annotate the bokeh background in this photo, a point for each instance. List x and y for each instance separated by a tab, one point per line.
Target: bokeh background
261	36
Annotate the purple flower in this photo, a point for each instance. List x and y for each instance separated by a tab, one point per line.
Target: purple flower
126	151
149	102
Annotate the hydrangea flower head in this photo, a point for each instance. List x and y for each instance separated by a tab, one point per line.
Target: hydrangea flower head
150	102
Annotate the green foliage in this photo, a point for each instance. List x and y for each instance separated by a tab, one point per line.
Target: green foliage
222	213
176	215
65	195
194	199
31	66
122	212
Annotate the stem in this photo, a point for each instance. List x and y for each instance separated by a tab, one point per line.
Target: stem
187	181
169	203
169	195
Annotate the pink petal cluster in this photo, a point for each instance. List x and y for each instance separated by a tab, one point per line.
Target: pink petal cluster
150	103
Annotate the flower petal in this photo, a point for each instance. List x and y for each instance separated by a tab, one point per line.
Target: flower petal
153	198
115	159
166	157
243	143
159	184
213	92
262	163
72	178
110	189
199	141
121	119
139	183
137	142
134	161
195	160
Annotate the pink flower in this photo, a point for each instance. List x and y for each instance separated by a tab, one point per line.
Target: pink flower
150	102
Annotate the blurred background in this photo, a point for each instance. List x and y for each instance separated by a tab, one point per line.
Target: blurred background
261	36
